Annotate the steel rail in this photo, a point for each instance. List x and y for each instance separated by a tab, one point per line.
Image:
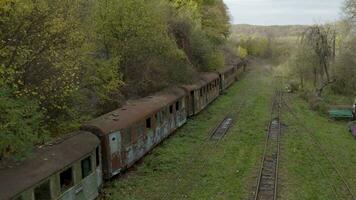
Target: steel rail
275	103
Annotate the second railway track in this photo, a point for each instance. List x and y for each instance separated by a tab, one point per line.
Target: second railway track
267	182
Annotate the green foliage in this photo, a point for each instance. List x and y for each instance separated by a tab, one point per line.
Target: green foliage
255	46
21	124
215	20
344	69
135	33
73	60
39	52
242	52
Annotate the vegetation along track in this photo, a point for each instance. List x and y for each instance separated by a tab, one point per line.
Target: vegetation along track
215	136
342	190
267	181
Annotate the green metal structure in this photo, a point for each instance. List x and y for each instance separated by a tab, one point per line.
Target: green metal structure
341	113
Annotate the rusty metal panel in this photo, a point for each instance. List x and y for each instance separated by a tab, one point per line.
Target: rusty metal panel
115	152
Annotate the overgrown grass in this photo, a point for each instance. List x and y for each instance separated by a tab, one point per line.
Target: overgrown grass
187	166
306	173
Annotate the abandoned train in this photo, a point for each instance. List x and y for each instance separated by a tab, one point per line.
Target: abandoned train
75	167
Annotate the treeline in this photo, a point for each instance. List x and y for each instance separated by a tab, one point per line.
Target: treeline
324	60
65	61
275	31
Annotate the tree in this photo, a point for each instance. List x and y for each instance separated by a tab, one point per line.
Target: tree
350	10
321	40
21	124
345	70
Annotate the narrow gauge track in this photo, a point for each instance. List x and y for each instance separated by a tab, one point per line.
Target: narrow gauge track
346	189
210	138
267	184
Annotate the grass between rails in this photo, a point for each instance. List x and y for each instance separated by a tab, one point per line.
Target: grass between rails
186	167
306	173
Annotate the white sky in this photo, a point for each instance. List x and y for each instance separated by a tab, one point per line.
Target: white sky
282	12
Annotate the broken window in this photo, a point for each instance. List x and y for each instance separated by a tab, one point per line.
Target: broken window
171	109
177	105
148	123
66	179
86	167
97	156
43	192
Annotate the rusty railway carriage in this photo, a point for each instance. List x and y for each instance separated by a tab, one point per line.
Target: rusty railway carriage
202	93
69	169
128	133
227	76
73	168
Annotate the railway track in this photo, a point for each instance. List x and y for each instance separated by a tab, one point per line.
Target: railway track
267	184
216	134
341	191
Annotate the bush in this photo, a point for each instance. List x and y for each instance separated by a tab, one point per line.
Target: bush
21	125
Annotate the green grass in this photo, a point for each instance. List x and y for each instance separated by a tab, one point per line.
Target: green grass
306	173
186	166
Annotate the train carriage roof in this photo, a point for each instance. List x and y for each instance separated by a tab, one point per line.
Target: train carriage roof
133	112
17	177
204	79
226	69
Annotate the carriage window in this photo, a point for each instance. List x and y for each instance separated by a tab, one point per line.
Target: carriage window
148	123
177	105
86	167
66	179
42	192
97	156
171	109
161	117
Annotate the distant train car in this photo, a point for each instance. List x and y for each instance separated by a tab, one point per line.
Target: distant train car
240	67
69	169
202	93
227	76
128	133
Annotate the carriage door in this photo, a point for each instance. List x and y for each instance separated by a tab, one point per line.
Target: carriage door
115	149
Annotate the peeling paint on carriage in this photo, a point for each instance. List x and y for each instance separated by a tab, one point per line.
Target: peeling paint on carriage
73	168
202	92
132	131
227	76
65	170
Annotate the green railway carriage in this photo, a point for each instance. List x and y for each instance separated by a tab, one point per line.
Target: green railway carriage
68	169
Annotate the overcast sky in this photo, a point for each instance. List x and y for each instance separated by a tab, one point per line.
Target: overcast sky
282	12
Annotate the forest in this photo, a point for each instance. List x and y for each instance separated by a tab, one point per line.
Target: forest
63	62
